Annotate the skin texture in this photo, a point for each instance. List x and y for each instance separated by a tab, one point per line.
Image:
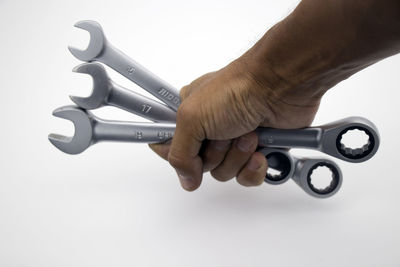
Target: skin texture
277	83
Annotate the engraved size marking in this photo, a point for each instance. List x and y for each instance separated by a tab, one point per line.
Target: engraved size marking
169	96
164	135
139	135
270	140
146	108
130	70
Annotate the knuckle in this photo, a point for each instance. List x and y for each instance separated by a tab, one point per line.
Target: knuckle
186	113
176	161
184	92
247	143
253	136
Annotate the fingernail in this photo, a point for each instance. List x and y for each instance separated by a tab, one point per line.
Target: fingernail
254	164
186	181
220	145
244	144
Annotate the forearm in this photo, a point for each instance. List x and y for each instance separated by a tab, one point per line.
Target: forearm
324	42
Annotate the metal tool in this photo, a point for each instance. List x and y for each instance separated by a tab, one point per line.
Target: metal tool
301	171
326	138
99	49
89	130
106	92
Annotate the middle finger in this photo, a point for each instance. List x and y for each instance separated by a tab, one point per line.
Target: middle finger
238	155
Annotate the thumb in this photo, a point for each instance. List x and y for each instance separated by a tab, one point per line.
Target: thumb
184	151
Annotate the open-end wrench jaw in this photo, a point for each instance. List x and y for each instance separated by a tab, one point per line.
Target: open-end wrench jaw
82	137
96	43
101	86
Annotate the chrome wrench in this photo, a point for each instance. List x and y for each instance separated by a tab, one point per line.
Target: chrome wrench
325	138
106	92
90	130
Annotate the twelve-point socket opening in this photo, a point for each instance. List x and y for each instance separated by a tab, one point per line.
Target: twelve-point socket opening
355	142
323	178
279	166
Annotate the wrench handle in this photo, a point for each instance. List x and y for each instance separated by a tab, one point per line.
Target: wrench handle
153	133
140	105
132	131
289	138
138	74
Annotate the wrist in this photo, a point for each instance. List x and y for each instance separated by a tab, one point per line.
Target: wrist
296	75
311	50
322	43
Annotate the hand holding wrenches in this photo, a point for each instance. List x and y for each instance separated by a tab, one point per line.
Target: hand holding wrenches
99	49
90	129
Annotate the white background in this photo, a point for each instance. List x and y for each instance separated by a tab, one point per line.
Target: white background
120	205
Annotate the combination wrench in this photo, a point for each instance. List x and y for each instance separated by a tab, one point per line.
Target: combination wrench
326	138
106	92
90	129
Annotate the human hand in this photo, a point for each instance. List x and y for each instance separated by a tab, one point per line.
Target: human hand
216	123
277	83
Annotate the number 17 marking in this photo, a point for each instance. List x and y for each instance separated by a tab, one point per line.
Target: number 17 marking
146	108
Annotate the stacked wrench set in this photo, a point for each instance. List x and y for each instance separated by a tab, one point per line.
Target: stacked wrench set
273	143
